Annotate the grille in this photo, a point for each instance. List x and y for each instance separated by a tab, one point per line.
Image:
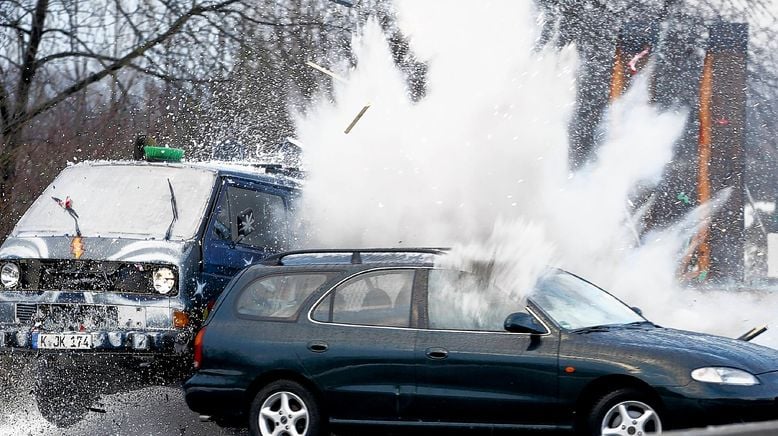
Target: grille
25	312
89	275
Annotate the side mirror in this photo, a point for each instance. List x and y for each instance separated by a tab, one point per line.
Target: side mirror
246	223
521	322
637	310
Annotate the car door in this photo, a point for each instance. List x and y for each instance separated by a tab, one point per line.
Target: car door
250	222
361	346
471	369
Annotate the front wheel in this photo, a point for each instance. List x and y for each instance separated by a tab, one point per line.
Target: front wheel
285	408
624	412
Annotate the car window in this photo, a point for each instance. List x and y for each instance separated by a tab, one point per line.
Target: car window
461	301
380	298
254	218
221	224
278	296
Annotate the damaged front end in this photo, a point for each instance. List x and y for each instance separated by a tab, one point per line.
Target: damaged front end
120	302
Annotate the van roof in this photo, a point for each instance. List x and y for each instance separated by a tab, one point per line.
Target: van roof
272	173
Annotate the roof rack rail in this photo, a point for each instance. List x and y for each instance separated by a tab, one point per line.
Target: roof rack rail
274	168
356	254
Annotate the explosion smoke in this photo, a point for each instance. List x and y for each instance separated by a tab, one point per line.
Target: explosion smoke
486	150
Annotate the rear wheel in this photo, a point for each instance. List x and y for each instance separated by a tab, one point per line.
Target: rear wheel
624	412
285	408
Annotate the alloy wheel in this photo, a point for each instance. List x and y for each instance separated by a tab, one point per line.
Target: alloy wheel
631	418
283	414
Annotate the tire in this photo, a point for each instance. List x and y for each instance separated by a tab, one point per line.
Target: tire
606	416
301	414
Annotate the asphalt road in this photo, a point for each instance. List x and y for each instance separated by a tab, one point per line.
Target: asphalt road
115	402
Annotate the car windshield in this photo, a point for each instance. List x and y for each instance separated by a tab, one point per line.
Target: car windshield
132	201
575	303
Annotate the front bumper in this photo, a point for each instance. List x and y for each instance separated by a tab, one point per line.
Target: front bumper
13	339
116	323
703	404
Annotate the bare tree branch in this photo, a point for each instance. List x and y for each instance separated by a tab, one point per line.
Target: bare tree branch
22	116
5	112
31	52
16	27
171	78
138	33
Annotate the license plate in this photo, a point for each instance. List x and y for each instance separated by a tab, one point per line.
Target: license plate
61	341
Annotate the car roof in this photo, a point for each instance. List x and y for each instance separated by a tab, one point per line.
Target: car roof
270	173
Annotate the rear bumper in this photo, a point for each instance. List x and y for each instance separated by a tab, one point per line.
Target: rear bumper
15	339
216	402
207	395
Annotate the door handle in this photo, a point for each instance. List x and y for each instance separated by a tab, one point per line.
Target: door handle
437	353
318	346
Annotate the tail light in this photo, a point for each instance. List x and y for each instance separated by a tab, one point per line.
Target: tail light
198	348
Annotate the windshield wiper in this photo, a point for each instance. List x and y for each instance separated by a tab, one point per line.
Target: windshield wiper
175	210
595	328
640	324
67	204
607	327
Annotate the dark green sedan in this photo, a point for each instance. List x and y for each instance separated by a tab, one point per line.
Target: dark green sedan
314	339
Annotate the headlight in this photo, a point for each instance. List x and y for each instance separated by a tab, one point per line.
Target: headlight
724	376
9	275
164	280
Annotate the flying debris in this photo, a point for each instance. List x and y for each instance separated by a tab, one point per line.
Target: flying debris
753	333
66	204
684	198
296	142
633	63
356	119
326	71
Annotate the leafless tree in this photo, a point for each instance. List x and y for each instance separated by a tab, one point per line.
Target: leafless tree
129	63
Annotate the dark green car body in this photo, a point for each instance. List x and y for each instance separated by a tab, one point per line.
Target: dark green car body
413	372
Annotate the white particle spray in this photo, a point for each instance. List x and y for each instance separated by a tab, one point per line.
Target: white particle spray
444	170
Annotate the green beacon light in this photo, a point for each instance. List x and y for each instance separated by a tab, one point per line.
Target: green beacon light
169	154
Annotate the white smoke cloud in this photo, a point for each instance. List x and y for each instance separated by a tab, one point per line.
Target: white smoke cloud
480	163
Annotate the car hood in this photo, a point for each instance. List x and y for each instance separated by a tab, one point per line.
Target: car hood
680	346
115	249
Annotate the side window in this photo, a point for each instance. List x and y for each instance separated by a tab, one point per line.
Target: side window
278	296
253	218
222	229
381	298
461	301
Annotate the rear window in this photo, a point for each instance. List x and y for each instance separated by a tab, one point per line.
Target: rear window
279	296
